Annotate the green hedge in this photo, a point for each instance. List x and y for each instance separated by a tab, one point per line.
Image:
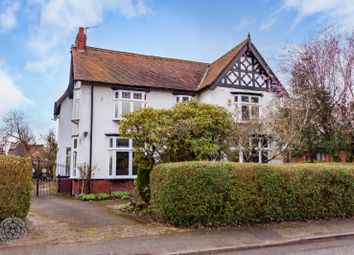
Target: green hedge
225	193
15	187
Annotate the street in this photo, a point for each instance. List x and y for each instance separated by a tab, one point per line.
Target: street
342	246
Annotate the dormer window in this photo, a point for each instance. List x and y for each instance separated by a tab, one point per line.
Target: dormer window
126	101
246	107
183	98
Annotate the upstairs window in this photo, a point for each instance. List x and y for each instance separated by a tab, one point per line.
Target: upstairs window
183	98
127	101
76	105
246	107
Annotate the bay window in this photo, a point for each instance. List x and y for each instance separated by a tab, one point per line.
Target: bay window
120	160
127	101
257	150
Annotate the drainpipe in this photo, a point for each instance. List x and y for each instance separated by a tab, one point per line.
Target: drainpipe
91	128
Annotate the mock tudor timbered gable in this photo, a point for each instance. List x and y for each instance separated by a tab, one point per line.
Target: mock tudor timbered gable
247	70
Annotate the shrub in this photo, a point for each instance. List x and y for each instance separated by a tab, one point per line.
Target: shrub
87	197
102	196
221	193
125	207
143	181
15	187
120	194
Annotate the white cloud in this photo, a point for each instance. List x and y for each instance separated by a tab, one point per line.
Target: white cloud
44	65
268	23
337	13
60	19
10	95
245	22
8	15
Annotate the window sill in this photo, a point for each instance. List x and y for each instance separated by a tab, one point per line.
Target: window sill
120	177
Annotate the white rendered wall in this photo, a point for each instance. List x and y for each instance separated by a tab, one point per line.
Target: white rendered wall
103	122
222	95
64	130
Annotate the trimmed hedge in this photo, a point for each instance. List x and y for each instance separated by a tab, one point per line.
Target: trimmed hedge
225	193
15	187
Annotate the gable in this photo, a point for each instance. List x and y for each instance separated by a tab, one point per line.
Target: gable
246	72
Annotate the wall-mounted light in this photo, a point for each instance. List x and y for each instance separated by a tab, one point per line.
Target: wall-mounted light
85	133
229	102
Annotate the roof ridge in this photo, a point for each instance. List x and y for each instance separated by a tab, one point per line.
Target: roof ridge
146	55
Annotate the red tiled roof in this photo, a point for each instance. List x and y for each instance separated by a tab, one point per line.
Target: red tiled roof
115	67
219	65
130	69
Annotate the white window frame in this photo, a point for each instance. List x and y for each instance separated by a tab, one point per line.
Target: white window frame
259	150
76	105
183	98
74	151
112	152
238	106
118	101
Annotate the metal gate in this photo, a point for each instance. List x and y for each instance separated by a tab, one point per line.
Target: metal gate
44	179
43	187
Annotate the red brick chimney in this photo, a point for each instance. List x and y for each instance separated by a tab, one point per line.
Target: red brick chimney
81	39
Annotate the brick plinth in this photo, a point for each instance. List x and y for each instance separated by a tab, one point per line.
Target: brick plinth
102	185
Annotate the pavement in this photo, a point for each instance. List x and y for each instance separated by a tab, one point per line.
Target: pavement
221	241
344	246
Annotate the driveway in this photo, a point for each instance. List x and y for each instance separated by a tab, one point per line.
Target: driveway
78	213
60	219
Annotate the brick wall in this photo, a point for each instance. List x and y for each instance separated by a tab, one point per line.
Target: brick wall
103	185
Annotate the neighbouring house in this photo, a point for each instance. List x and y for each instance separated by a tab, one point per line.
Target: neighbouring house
104	84
34	151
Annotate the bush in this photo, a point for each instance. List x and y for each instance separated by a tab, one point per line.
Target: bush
120	194
143	181
15	187
224	193
125	207
87	197
102	196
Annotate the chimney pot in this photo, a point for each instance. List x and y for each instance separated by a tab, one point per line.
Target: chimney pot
81	39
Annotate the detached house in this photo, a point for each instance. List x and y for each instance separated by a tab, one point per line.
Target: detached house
104	84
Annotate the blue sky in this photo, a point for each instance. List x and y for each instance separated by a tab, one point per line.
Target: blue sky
36	35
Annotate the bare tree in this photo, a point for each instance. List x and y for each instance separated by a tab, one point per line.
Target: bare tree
50	149
86	172
14	128
318	114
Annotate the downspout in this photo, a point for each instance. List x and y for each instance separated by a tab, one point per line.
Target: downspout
91	128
